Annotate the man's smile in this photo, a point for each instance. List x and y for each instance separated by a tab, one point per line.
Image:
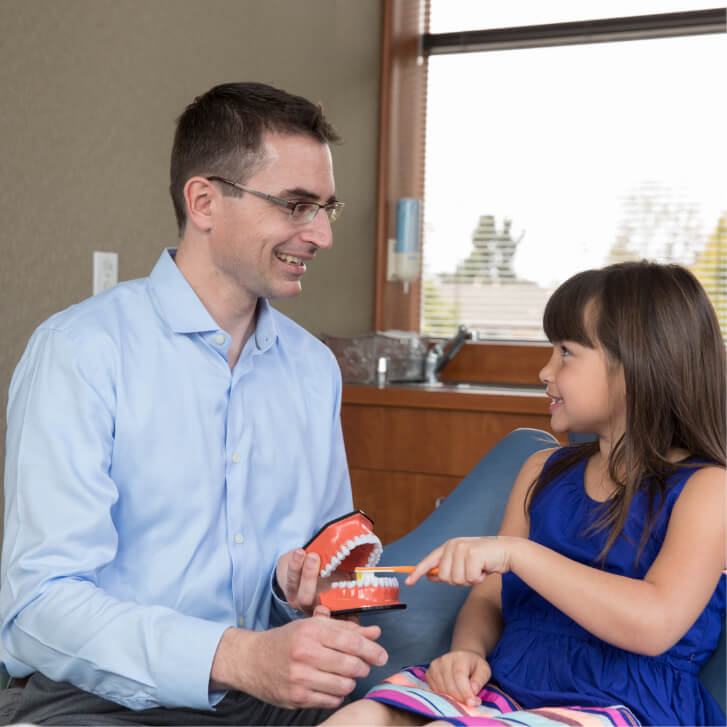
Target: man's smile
290	259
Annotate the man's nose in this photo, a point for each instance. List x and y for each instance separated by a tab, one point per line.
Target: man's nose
318	230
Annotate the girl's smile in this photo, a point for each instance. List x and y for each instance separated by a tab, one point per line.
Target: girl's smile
554	403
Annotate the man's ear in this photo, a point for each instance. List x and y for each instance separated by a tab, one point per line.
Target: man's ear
199	196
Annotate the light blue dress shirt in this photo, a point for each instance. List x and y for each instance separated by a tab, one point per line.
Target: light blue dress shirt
149	489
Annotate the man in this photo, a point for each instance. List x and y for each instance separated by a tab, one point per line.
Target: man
172	443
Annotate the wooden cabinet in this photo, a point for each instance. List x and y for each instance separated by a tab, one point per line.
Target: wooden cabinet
409	446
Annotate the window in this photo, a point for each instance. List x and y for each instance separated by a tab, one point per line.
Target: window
552	148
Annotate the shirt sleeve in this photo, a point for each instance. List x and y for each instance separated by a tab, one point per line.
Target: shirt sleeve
281	612
60	533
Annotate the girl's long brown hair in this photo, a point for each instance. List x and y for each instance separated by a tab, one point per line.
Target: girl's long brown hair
657	321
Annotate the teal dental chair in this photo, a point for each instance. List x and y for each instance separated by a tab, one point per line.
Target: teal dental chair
424	630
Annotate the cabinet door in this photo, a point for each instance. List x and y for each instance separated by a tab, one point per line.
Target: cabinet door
427	441
408	449
398	501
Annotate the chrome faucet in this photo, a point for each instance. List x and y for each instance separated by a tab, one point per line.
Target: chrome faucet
439	356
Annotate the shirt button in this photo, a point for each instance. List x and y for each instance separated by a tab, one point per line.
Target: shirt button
239	538
219	339
236	458
241	622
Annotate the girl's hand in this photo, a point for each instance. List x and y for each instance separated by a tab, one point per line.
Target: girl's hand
466	561
459	674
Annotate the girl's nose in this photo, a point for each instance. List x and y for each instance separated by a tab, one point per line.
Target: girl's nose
546	373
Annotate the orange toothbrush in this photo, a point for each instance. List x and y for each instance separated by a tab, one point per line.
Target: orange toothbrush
392	569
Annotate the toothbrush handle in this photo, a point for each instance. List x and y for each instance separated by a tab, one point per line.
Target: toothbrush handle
393	569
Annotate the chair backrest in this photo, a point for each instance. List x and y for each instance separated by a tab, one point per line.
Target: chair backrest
475	507
713	674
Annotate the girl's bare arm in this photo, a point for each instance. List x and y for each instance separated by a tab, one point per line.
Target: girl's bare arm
646	615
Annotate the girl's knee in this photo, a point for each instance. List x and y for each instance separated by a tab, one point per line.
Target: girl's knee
371	712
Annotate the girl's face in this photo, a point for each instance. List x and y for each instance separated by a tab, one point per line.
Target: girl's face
587	390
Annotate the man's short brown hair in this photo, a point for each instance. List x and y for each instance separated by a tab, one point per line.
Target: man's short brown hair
220	133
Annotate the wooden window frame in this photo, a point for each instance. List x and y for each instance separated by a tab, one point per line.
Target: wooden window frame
401	137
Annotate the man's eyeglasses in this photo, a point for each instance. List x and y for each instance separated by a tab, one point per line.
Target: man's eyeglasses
300	212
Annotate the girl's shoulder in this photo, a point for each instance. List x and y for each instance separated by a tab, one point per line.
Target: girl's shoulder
546	458
534	464
552	455
540	457
699	476
703	481
531	469
696	499
699	505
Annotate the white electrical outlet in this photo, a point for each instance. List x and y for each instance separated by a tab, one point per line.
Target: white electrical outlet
105	270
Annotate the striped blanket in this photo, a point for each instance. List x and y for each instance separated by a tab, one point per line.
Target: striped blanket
408	690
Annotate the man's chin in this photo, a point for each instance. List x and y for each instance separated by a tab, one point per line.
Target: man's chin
289	290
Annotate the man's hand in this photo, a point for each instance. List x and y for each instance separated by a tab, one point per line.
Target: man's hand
297	575
459	674
312	662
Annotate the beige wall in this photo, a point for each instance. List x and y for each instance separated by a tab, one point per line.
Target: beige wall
89	91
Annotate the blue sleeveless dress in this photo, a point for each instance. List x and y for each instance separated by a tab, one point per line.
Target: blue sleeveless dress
545	658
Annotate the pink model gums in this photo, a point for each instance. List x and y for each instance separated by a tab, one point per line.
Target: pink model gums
343	545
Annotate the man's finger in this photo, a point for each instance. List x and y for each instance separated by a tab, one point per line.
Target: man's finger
308	583
372	632
292	578
358	641
322	686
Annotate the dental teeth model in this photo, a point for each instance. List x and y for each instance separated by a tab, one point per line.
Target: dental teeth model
359	595
342	545
346	543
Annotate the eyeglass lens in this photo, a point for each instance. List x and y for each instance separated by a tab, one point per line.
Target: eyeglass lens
306	212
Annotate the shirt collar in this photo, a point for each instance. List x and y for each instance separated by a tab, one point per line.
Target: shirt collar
185	312
266	331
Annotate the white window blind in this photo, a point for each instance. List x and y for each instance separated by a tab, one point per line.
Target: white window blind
543	161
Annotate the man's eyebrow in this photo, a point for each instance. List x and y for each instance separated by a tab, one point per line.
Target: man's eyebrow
307	194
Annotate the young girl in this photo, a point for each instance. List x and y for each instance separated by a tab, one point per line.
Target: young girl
605	584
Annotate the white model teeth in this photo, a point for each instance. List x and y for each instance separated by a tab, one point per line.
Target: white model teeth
345	550
375	555
367	579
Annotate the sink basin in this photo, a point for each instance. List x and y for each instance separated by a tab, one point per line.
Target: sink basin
467	386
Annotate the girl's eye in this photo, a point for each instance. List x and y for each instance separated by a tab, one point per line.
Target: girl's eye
564	351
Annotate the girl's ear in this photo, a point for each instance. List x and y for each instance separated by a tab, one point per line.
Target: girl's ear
199	196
